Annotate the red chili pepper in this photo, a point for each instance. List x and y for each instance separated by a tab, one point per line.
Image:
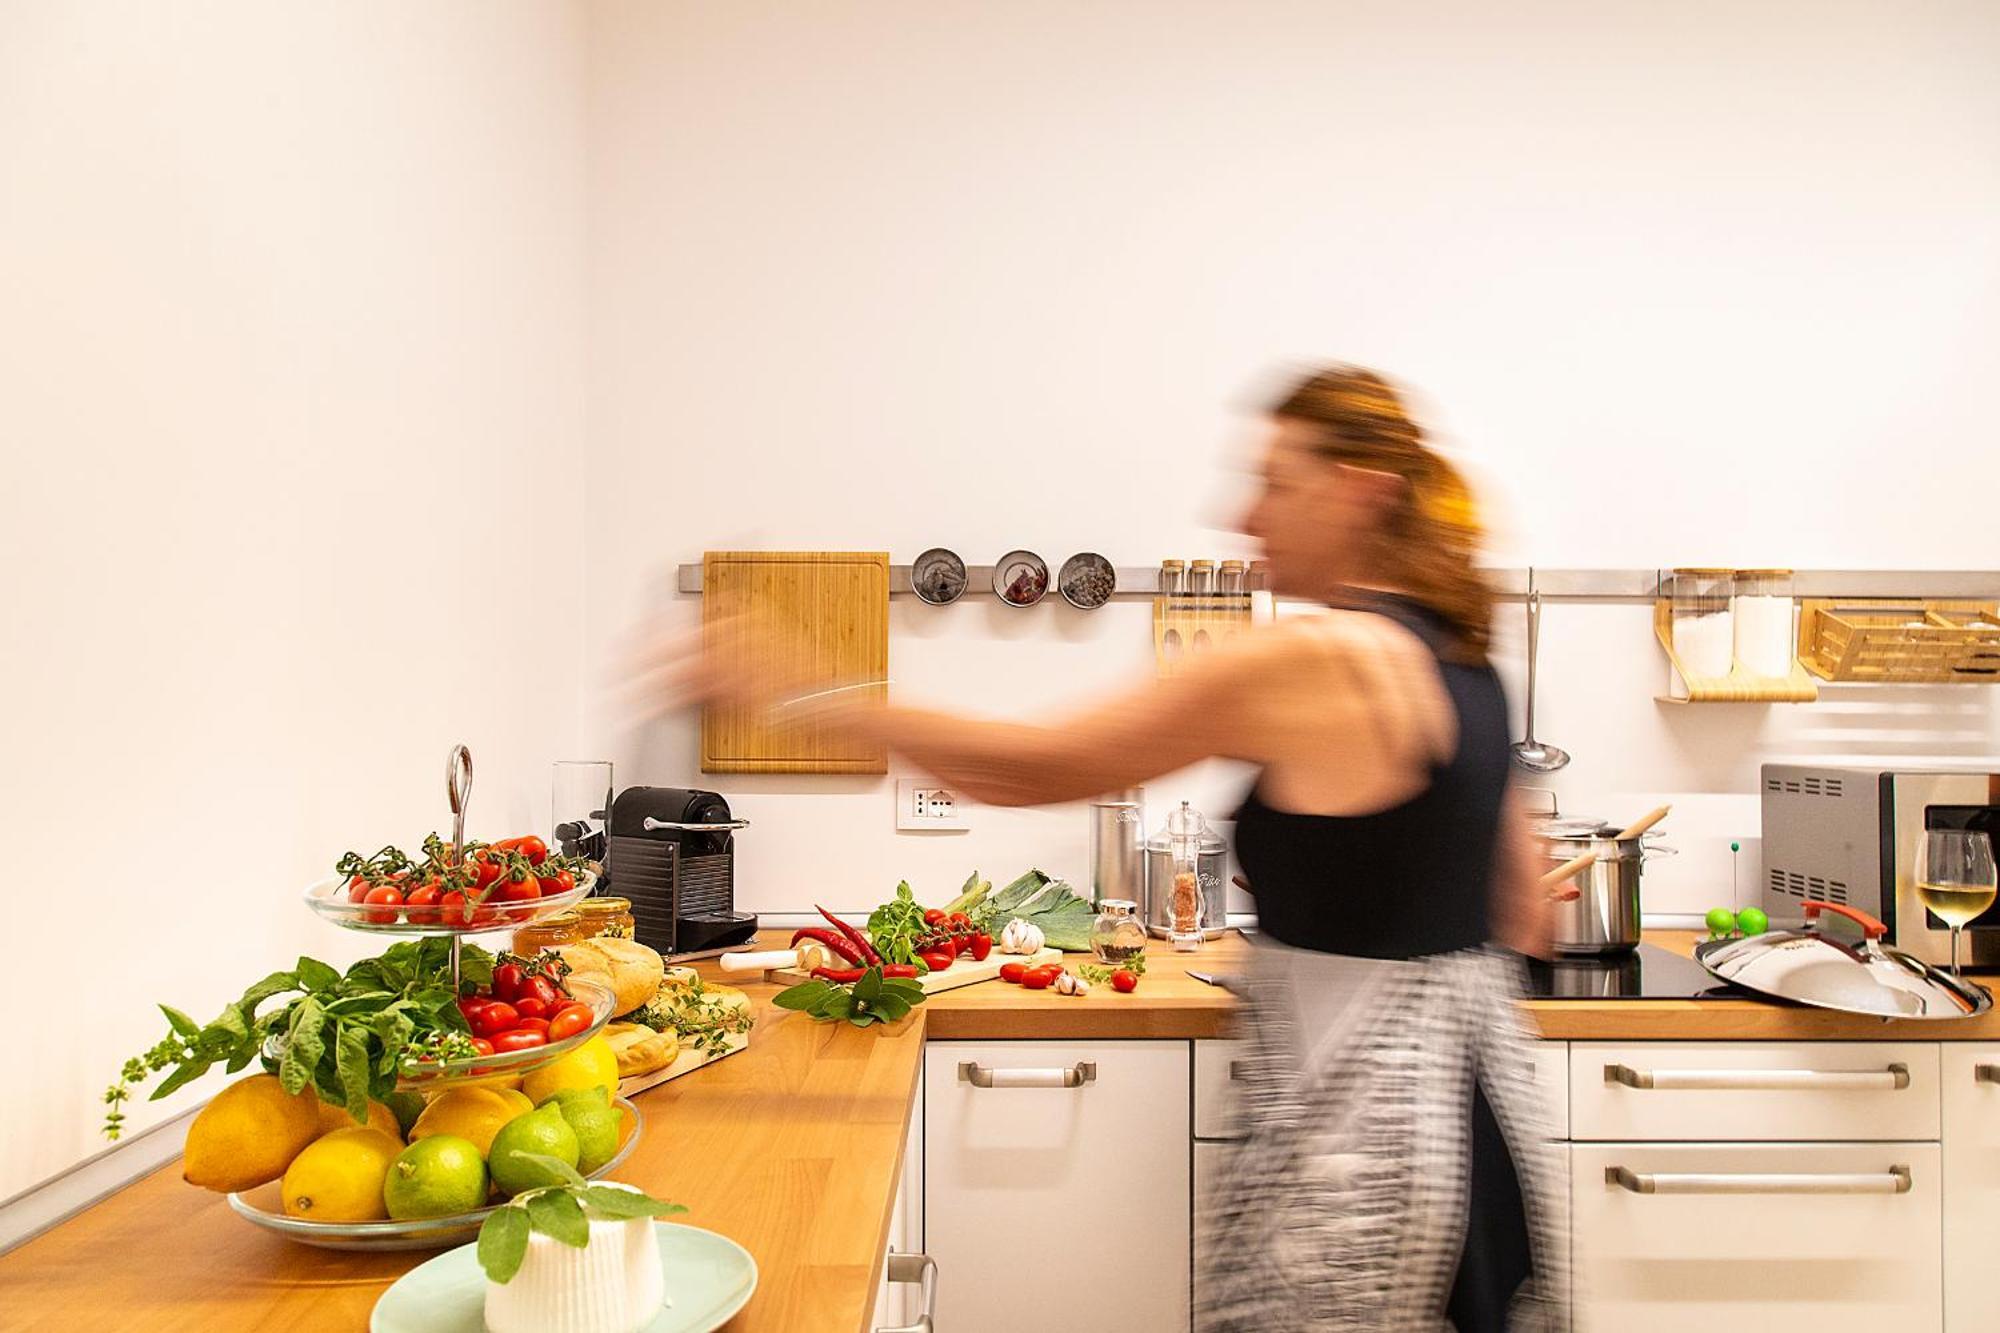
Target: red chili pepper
846	976
838	943
859	940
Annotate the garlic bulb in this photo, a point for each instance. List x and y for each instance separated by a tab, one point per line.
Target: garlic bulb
1069	983
1021	937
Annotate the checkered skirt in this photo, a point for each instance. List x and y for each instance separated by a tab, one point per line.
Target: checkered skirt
1345	1207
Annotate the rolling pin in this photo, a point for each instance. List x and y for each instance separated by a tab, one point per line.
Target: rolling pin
804	958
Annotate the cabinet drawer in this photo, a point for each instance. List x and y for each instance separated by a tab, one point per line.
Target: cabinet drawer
1215	1108
1741	1090
1777	1237
1972	1164
1041	1181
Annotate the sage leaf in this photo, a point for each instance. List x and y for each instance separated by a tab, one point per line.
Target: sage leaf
559	1171
627	1203
503	1244
558	1215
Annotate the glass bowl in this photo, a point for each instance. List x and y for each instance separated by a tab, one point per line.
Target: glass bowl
329	899
263	1206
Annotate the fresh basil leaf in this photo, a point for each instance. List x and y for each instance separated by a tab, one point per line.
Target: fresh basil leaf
315	975
503	1244
434	997
304	1044
556	1214
627	1203
351	1059
242	1057
181	1077
394	1029
231	1022
475	965
275	984
559	1171
180	1022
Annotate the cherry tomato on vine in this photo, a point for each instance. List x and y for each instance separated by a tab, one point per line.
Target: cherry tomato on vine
568	1021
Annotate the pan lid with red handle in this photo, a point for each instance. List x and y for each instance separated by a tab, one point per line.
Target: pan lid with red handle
1819	967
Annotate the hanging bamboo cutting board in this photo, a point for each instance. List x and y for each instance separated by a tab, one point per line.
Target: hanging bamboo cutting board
823	618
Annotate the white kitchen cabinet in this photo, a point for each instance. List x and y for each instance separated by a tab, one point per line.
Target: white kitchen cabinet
1211	1160
1215	1098
1970	1076
1738	1090
1551	1078
1063	1165
896	1303
1777	1237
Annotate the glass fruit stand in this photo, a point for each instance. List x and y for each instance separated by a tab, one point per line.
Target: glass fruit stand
263	1204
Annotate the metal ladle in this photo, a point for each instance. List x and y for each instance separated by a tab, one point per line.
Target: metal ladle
1530	753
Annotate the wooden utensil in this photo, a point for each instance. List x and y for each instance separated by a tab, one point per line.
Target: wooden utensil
1569	869
823	619
1645	822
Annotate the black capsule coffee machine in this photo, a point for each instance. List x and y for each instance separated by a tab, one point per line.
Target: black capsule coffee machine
672	854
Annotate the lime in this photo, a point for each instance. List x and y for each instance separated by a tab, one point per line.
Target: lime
1752	921
1721	921
595	1121
543	1132
436	1176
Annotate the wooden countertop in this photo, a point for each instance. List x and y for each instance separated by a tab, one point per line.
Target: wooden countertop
791	1148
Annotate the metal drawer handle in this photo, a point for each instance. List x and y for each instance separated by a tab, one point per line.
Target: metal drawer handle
979	1076
1896	1180
1986	1073
1238	1071
921	1269
1893	1079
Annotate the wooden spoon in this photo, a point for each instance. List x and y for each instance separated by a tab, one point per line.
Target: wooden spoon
1646	821
1576	865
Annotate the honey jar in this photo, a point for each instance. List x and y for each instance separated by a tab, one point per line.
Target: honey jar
607	916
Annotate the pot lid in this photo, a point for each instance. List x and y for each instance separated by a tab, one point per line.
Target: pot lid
1575	826
1816	967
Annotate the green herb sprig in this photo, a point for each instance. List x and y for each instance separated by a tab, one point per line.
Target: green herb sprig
895	927
873	999
561	1212
1099	974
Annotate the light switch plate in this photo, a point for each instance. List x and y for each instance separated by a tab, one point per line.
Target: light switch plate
926	805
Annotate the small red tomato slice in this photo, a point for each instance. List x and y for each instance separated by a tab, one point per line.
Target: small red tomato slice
1124	982
499	1016
520	1039
569	1020
1012	972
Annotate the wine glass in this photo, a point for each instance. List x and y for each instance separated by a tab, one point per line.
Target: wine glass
1956	878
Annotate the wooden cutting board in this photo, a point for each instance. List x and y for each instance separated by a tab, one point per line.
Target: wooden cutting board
961	973
686	1062
823	618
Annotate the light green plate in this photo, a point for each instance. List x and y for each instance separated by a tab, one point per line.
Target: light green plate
709	1278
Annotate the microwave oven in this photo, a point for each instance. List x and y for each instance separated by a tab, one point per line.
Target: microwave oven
1849	835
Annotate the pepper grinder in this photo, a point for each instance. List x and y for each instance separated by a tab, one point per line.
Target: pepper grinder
1185	829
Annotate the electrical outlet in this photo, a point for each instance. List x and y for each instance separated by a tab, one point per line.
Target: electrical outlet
922	804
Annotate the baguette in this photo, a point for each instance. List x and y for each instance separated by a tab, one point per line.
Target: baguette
640	1050
630	970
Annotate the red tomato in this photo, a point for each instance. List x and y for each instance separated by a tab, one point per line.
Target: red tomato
1124	982
959	923
470	1005
357	888
937	960
519	1039
533	848
1036	978
485	869
507	980
483	1046
933	915
569	1020
498	1016
517	891
527	1006
384	898
980	945
422	903
1047	971
527	1024
1012	972
453	910
540	988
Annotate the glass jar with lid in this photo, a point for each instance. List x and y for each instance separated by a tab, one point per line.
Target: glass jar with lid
1117	934
1703	635
606	916
1760	612
551	932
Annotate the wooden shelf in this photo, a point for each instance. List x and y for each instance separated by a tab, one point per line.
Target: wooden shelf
1738	687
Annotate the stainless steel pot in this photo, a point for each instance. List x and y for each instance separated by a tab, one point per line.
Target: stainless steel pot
1603	917
1865	977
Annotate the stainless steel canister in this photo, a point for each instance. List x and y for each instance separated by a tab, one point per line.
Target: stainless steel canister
1117	846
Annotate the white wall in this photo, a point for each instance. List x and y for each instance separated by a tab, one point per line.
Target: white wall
290	389
1688	284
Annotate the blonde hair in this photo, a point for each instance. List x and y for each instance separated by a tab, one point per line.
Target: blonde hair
1433	533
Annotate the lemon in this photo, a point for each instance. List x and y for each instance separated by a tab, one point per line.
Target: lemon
473	1114
517	1099
249	1134
338	1178
592	1064
380	1117
544	1132
435	1177
594	1120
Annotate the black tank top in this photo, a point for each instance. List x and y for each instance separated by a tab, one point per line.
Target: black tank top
1411	880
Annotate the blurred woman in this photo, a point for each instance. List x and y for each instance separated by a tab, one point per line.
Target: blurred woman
1394	1174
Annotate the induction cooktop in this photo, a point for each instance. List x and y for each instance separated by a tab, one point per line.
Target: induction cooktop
1645	973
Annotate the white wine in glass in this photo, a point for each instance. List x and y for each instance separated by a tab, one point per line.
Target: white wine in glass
1956	879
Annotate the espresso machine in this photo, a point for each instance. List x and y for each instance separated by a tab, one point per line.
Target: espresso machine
671	852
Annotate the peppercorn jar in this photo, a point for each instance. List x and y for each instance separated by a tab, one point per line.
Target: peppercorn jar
1117	934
